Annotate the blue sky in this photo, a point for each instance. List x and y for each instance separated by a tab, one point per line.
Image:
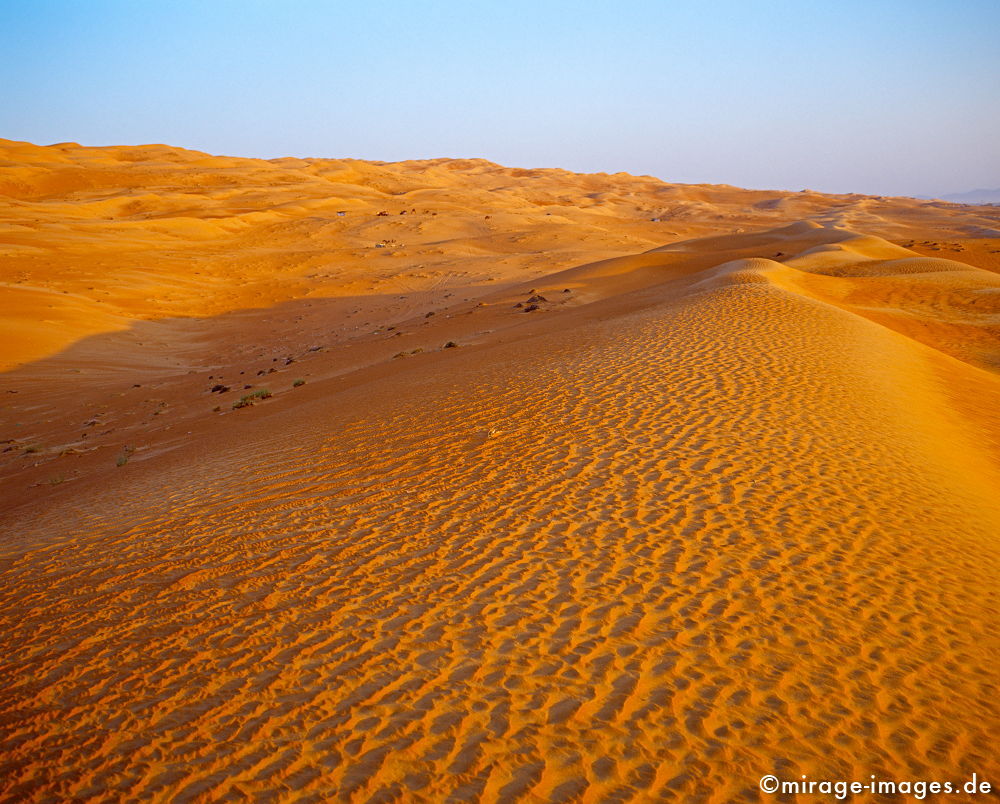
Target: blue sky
878	97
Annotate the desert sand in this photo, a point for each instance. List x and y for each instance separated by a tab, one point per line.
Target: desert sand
706	488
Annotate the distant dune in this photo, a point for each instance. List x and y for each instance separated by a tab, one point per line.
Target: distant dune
444	481
974	197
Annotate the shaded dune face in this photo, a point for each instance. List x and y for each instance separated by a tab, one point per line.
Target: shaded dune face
725	508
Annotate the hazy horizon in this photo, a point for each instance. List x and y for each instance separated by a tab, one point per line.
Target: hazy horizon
883	98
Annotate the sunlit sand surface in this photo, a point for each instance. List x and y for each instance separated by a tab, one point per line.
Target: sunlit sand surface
694	500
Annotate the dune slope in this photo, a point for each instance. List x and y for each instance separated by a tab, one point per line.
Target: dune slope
718	508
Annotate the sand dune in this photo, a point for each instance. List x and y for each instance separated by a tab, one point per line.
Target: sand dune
694	499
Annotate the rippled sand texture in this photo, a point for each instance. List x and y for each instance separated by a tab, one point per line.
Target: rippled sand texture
727	507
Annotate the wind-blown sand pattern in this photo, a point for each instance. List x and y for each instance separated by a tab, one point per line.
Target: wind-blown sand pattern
717	508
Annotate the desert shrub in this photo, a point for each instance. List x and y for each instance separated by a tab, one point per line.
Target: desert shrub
248	400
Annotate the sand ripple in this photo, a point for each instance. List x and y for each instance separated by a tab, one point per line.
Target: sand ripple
650	558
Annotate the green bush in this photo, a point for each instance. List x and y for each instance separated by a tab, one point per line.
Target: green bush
248	400
126	454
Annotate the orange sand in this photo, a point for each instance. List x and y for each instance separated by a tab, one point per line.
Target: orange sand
725	504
